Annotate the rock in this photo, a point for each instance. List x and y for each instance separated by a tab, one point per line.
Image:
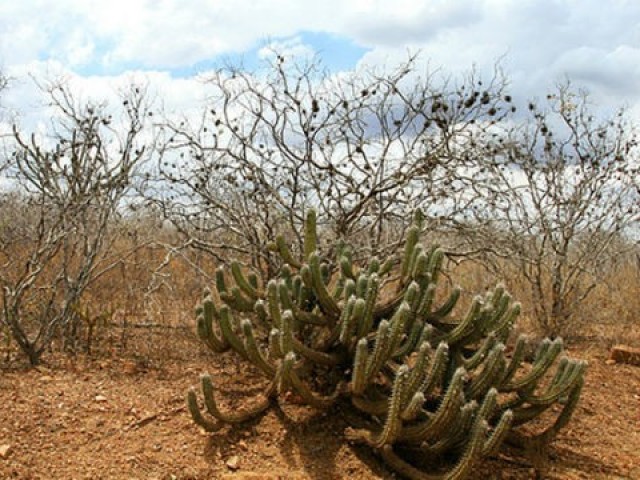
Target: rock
100	398
5	450
625	354
233	463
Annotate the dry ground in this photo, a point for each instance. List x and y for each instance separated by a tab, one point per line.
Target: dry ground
121	415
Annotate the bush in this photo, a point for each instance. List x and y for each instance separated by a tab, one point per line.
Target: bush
378	338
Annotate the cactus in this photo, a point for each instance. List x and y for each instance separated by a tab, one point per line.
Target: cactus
431	378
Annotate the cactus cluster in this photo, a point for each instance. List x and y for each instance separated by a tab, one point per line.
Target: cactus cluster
424	379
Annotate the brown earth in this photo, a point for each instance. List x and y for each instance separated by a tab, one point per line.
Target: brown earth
122	415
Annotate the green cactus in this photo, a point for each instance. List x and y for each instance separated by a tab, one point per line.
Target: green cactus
430	378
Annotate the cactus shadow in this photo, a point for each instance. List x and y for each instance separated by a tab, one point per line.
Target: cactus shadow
317	438
309	441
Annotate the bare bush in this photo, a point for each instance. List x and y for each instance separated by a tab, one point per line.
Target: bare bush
363	149
56	229
561	197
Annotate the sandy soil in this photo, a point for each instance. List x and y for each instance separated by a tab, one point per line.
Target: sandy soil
122	415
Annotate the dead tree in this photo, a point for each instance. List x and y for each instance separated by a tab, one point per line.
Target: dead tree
66	190
363	149
561	195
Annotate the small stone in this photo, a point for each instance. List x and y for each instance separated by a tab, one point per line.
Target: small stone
233	463
242	444
100	398
5	450
610	361
625	354
46	378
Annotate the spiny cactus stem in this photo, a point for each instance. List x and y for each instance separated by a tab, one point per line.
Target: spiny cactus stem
436	369
359	376
285	253
499	434
320	402
547	354
243	283
253	350
445	416
326	301
413	235
492	372
196	414
236	416
273	303
310	234
370	302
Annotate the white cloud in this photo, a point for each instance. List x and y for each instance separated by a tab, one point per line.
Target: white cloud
541	40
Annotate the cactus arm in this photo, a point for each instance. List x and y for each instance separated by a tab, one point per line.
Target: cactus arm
374	266
283	250
273	303
479	356
377	358
370	301
205	326
459	472
414	407
221	284
458	432
466	326
237	300
320	402
499	434
419	333
548	352
359	375
492	373
386	267
445	415
275	352
286	333
559	387
561	421
436	369
196	414
253	350
316	356
347	323
393	422
387	343
242	282
346	268
516	359
446	308
419	370
241	416
413	235
226	327
326	301
261	311
310	234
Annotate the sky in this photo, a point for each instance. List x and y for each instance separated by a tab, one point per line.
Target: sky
173	43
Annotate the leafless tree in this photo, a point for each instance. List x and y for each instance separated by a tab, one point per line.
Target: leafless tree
365	149
64	191
561	199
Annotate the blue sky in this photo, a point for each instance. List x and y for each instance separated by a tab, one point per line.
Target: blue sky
101	45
